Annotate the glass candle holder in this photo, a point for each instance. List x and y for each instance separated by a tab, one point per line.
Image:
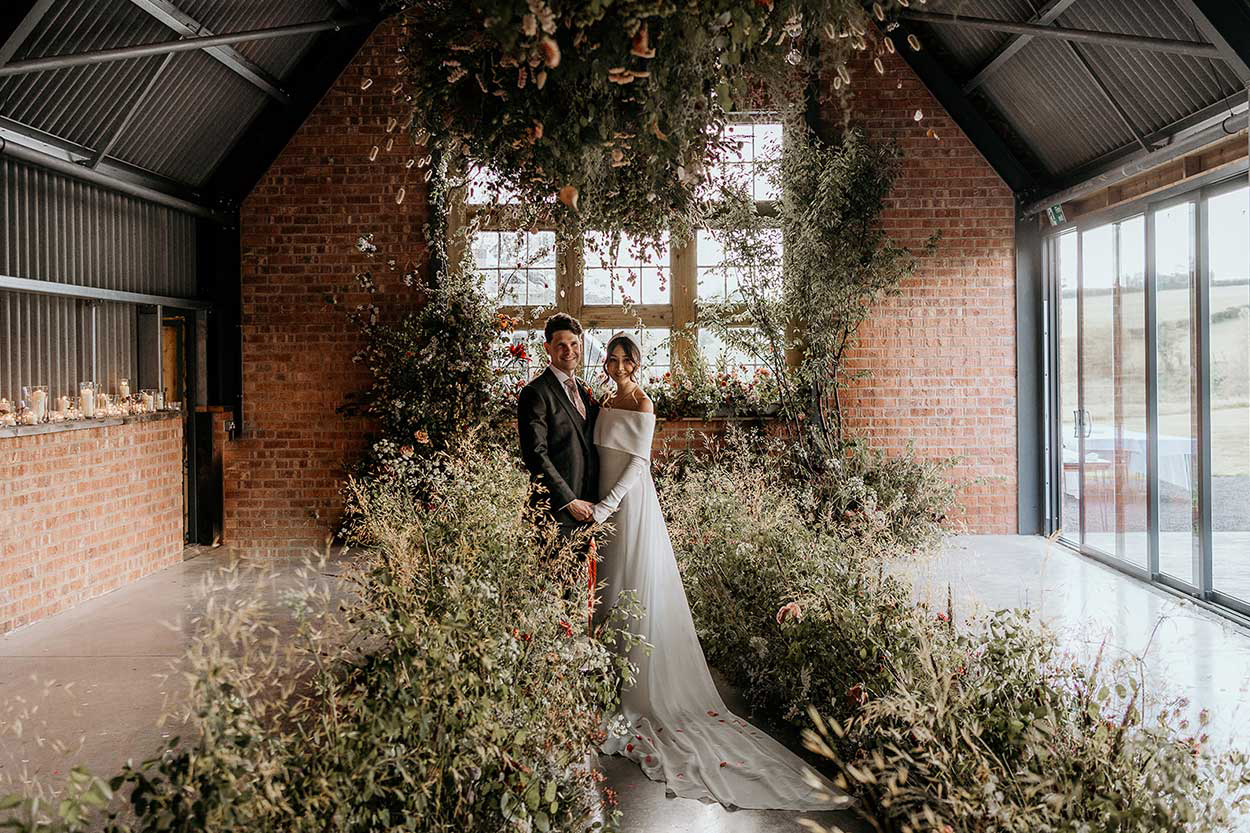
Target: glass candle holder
101	405
123	388
160	399
38	402
86	399
147	399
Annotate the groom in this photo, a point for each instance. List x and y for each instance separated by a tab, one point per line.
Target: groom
556	421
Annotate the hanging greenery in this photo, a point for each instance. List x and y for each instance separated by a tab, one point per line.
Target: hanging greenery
602	114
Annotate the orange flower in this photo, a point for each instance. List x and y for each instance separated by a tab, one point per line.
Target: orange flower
422	437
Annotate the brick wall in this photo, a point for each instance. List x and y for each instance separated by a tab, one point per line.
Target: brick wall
299	227
942	353
84	512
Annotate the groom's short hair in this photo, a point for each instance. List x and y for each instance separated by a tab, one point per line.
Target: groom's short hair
561	321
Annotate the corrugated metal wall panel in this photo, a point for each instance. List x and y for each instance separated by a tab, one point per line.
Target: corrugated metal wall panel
118	340
42	342
67	231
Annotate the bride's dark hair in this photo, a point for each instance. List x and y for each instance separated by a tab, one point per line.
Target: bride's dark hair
631	352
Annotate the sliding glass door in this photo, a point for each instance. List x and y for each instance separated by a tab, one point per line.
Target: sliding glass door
1228	275
1103	389
1151	320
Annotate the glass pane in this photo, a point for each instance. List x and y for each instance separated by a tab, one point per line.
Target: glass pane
634	276
1229	259
1113	309
1178	506
720	282
715	350
750	145
518	267
1069	405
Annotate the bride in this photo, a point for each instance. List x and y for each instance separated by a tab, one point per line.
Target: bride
679	730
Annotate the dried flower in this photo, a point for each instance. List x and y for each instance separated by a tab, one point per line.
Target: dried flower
550	51
529	25
640	47
790	610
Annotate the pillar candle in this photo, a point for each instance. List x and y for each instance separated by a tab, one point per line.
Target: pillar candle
123	387
39	404
86	402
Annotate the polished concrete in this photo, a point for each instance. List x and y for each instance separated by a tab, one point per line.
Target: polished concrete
88	688
1183	651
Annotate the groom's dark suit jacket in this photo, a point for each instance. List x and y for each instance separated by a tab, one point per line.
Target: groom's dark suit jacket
557	445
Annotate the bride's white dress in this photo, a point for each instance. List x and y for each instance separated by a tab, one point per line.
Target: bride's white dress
679	729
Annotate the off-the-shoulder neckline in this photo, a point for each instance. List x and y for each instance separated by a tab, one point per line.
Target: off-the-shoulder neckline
603	411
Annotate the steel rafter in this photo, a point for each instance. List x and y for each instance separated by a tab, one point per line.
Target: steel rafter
1045	16
182	23
186	45
1170	45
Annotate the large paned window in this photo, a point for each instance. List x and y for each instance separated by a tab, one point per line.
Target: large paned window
652	293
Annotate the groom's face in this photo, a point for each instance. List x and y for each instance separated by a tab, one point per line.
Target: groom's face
565	350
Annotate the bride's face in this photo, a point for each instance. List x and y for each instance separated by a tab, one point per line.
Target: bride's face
619	366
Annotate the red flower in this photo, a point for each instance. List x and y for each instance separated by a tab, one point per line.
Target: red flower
857	695
567	628
629	747
942	617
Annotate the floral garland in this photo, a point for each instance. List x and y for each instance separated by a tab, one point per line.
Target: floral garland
601	115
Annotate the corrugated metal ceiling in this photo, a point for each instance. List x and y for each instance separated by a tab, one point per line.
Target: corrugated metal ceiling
1046	98
198	108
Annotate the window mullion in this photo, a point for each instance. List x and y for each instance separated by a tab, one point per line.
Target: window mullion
682	285
569	266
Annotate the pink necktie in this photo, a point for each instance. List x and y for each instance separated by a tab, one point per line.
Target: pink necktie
571	387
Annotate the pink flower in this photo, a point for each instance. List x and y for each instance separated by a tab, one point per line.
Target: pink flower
790	610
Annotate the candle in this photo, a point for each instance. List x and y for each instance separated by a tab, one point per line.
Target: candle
86	399
148	400
39	403
123	388
62	403
5	406
160	399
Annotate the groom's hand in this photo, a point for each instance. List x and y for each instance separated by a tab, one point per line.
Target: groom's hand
582	510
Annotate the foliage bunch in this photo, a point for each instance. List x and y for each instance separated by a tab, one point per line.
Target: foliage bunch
457	689
432	364
602	115
938	727
807	300
694	389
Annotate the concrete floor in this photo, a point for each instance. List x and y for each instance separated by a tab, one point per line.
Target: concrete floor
94	678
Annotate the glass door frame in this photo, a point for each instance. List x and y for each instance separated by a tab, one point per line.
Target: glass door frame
1199	195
